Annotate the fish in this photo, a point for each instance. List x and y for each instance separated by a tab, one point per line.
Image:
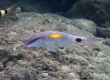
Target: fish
52	40
7	11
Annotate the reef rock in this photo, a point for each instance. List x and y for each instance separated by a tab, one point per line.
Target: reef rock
84	24
104	32
96	10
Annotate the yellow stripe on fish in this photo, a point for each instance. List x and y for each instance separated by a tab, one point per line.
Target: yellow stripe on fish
56	36
7	11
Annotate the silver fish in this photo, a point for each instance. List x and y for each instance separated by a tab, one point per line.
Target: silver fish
52	39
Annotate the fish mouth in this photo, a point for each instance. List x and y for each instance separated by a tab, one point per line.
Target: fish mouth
90	42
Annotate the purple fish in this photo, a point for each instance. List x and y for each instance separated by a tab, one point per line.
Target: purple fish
52	40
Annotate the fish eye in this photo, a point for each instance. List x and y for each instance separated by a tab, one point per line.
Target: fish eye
78	39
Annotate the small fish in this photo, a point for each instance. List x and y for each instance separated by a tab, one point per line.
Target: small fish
52	40
7	11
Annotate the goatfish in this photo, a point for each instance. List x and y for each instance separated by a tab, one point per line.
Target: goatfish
7	11
52	40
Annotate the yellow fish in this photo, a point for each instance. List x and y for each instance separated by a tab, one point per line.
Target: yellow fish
7	11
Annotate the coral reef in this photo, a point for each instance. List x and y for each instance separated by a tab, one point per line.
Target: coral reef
17	62
20	63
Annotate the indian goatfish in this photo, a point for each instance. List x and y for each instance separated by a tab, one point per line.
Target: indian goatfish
52	40
7	11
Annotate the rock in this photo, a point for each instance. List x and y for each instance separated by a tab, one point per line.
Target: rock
26	8
54	74
74	76
107	42
100	76
96	10
104	32
44	75
65	68
85	24
1	68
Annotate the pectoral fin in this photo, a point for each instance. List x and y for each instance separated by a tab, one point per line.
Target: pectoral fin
52	49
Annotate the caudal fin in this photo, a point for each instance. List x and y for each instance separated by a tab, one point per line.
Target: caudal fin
11	9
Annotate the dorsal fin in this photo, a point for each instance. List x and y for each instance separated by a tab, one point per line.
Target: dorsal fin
66	32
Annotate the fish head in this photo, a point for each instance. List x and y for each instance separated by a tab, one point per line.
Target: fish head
86	41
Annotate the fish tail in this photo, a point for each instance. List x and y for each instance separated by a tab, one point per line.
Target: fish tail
90	42
10	9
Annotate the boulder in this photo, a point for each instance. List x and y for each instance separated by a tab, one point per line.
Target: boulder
84	24
104	32
96	10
